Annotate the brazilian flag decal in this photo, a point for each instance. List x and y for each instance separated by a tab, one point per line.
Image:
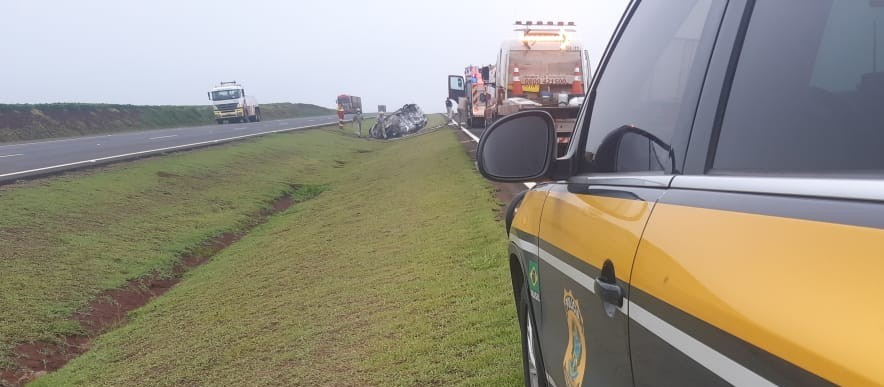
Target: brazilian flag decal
534	279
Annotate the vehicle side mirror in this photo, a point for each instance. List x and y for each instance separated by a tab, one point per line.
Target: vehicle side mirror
518	147
210	95
243	92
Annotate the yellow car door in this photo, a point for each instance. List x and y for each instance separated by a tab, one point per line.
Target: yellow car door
762	264
631	141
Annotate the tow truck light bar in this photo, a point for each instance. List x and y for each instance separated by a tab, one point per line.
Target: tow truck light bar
549	23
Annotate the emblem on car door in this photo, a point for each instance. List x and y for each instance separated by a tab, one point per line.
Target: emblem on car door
534	280
574	364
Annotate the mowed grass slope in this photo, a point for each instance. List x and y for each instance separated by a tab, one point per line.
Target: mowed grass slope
394	275
65	239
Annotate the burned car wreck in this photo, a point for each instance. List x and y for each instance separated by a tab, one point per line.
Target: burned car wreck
407	120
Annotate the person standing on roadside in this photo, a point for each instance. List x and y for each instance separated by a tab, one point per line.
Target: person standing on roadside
460	110
449	106
357	120
340	116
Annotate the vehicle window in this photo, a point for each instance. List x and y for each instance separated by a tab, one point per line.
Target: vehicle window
221	95
456	83
807	94
650	86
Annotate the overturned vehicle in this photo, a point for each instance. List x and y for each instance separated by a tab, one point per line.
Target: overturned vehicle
407	120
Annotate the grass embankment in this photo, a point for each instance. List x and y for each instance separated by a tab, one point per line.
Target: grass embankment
276	111
23	122
394	275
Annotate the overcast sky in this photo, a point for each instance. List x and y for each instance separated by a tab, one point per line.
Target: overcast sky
161	52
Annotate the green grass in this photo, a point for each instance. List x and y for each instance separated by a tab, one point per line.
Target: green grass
394	275
22	122
275	111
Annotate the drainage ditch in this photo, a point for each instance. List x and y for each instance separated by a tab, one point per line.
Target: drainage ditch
108	310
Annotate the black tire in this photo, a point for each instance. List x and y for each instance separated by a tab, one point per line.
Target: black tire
257	117
532	359
220	122
511	208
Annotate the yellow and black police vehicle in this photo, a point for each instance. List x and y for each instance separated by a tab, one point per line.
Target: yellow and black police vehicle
718	218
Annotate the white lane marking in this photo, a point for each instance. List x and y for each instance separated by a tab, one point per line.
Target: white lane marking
473	136
239	128
15	155
476	139
157	138
46	142
158	150
723	366
84	138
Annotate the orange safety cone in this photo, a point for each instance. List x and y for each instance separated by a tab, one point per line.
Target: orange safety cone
577	86
517	82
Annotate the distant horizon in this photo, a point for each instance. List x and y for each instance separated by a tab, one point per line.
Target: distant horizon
131	104
332	108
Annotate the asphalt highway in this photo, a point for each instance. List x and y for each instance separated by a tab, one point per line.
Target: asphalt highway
20	160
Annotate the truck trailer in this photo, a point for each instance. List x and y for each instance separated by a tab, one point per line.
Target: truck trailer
350	103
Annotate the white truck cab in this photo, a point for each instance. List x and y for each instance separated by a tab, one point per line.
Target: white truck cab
230	102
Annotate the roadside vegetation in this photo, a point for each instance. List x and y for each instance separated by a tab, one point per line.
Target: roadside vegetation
23	122
392	273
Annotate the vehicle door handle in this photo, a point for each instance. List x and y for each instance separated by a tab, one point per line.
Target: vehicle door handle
609	293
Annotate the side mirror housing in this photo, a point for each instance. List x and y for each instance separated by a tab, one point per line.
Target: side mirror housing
518	147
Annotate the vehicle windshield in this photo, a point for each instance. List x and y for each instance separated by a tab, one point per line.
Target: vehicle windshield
220	95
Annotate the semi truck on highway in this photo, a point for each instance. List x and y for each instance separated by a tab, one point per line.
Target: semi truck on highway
230	103
350	103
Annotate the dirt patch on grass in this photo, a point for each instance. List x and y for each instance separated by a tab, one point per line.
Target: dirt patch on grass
281	204
166	174
108	310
